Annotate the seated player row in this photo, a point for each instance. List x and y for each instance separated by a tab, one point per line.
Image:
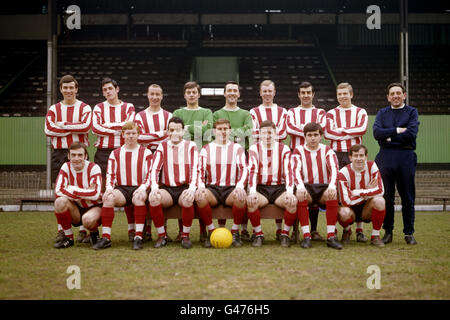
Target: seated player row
71	120
178	175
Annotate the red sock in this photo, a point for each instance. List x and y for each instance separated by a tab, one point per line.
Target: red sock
60	218
332	207
180	224
187	215
140	212
157	216
289	219
107	220
205	214
238	214
303	216
377	218
255	218
129	211
346	223
65	220
303	213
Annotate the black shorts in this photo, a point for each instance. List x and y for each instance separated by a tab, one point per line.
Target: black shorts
358	209
175	192
127	192
101	158
59	157
316	191
343	159
83	211
221	193
271	193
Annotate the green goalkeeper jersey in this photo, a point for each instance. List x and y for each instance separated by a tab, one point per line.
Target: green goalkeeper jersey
241	124
198	124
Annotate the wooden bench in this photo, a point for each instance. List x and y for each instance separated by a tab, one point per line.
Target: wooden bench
270	211
35	200
444	199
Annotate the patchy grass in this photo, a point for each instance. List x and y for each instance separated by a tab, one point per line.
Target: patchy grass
30	268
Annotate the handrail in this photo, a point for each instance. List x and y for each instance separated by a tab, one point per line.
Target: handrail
10	82
325	61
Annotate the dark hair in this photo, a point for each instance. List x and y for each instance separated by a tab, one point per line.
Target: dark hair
312	126
396	84
230	82
176	120
78	145
109	80
267	123
305	84
67	79
191	85
356	148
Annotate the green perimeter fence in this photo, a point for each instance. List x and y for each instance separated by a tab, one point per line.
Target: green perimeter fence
23	141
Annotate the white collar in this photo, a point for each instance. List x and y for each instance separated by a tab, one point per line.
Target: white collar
402	106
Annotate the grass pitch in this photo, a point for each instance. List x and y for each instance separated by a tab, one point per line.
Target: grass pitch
30	268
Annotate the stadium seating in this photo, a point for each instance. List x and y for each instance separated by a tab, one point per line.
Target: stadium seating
368	69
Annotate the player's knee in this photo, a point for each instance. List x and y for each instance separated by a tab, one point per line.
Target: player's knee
184	203
88	222
240	203
330	196
379	203
109	201
61	204
138	202
344	213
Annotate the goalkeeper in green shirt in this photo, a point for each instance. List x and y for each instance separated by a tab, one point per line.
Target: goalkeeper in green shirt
198	124
240	119
198	121
241	131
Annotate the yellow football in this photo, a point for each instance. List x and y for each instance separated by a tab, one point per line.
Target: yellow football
221	238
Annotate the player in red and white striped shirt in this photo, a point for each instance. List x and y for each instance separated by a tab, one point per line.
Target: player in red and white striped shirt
78	195
270	178
66	122
153	121
315	169
222	178
297	118
361	191
346	124
303	114
108	118
128	167
176	161
268	110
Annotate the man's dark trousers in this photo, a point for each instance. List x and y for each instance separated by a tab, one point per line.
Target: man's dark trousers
398	167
